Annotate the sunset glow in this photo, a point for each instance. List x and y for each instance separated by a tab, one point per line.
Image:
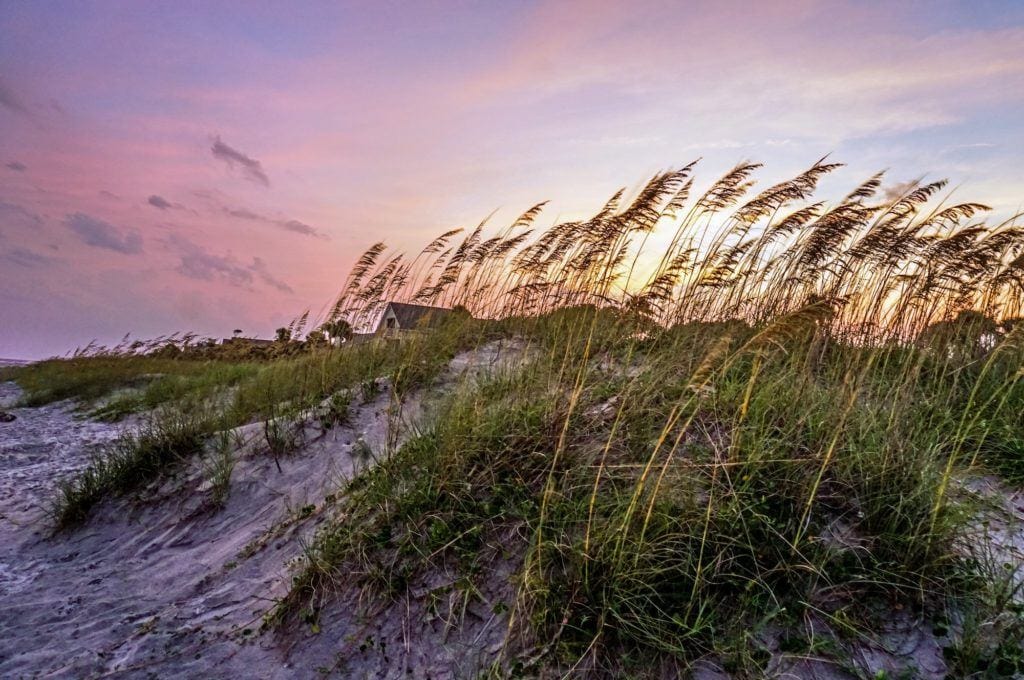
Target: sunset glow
183	166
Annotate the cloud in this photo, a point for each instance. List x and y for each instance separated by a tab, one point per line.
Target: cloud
217	201
251	168
99	234
159	202
10	100
899	189
199	264
244	214
17	166
24	257
13	214
260	268
294	226
298	227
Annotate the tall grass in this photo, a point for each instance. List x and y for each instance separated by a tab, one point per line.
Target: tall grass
890	266
667	494
760	423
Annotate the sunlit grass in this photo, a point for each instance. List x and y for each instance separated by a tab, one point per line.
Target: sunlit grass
768	425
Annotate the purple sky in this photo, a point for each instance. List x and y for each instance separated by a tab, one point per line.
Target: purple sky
210	166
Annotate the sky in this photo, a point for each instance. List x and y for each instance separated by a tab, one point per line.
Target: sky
207	166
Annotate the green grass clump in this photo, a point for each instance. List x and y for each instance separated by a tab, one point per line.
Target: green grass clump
90	377
446	492
282	436
304	381
192	388
133	460
219	465
151	381
336	411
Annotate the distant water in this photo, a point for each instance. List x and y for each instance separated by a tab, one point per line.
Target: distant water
13	362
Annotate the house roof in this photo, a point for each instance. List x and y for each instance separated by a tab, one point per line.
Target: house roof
417	316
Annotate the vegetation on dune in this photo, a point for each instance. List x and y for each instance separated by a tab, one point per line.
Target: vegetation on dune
679	494
149	381
763	428
889	267
762	425
190	408
143	375
132	461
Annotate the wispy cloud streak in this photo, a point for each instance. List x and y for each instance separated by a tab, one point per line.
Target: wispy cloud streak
294	226
196	262
251	168
159	202
23	257
99	234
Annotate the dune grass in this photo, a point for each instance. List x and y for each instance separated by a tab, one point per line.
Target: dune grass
673	493
180	390
762	424
131	462
184	411
92	377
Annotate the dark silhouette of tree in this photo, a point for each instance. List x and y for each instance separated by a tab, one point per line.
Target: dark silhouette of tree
339	328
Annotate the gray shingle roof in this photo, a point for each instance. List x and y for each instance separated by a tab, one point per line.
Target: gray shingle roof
417	316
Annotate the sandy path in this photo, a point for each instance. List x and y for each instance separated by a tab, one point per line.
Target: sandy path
42	446
165	586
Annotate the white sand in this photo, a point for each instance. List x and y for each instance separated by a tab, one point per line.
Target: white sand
163	586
